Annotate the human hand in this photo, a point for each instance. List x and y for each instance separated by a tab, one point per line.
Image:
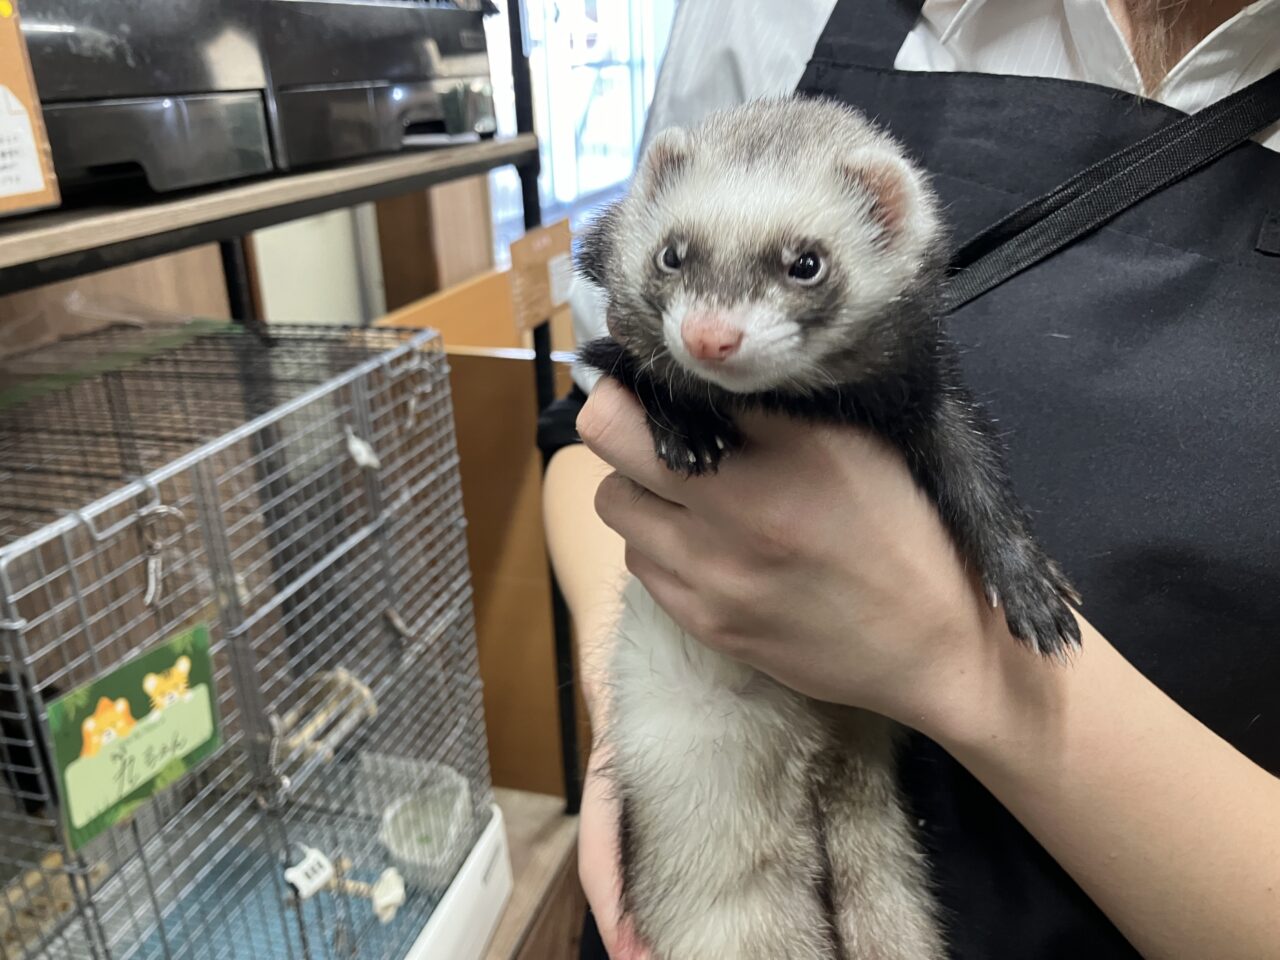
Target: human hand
811	555
599	869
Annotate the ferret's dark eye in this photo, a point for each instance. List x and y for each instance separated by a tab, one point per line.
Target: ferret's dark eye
806	268
669	259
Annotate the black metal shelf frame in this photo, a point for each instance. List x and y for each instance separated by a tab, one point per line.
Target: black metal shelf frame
566	686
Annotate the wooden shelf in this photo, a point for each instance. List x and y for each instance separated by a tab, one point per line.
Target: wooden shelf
58	244
543	918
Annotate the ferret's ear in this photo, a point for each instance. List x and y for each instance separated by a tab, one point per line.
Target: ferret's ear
897	196
664	160
595	245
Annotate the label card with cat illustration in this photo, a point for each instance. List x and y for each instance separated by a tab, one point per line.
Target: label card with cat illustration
130	733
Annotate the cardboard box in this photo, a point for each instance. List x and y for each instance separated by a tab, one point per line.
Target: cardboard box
541	273
27	181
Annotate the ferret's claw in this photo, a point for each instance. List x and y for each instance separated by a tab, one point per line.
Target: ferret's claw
719	443
1036	609
993	598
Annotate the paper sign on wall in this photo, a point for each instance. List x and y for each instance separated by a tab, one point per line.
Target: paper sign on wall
130	733
541	273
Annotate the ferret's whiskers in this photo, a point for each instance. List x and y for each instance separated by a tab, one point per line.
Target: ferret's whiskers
657	353
825	374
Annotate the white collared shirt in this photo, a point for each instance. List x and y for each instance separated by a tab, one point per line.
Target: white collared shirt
725	52
1080	40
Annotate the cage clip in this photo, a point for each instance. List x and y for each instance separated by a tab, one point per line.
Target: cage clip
361	451
152	518
398	625
415	399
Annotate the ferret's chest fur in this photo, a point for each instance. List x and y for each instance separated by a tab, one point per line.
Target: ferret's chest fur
698	722
714	764
756	824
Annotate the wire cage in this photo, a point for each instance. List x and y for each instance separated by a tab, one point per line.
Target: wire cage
300	501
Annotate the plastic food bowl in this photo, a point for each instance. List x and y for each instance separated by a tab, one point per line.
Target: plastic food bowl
427	831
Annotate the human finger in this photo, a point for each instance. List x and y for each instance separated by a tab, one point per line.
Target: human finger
613	426
642	518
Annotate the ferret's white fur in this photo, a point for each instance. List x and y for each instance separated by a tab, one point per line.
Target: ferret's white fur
726	775
765	358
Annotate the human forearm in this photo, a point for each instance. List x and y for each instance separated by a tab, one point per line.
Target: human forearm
1170	830
588	560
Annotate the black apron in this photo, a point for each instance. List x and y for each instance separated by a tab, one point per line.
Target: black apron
1137	376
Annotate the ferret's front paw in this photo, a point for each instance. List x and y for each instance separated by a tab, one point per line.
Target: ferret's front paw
693	452
1037	609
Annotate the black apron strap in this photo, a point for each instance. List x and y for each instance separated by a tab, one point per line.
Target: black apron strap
867	32
1102	192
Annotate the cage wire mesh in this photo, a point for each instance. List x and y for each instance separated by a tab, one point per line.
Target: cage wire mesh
302	501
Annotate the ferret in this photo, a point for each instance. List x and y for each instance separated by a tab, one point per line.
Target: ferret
786	255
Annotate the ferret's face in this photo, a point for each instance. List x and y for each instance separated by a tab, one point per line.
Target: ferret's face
758	275
759	288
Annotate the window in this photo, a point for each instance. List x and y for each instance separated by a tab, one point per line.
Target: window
593	67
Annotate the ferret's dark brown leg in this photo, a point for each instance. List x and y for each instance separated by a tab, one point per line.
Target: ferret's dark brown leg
956	457
689	434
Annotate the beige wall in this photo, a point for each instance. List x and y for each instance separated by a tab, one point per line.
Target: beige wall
309	271
349	266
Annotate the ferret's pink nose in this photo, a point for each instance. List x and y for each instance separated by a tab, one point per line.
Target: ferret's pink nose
709	336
